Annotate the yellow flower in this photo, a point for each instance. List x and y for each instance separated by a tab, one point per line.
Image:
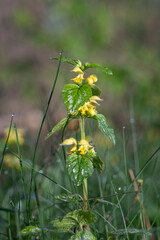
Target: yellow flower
78	79
78	70
11	162
94	100
91	79
82	146
12	136
88	107
140	181
69	141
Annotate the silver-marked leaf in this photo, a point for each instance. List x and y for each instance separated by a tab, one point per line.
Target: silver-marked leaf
98	164
68	198
83	235
79	167
75	96
95	90
104	127
95	65
30	230
57	127
77	218
131	231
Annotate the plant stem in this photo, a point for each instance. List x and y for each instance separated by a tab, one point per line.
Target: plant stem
85	187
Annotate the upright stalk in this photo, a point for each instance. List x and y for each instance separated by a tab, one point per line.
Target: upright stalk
85	187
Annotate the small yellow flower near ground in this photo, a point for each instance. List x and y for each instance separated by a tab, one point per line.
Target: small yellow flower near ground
91	79
140	181
12	136
11	161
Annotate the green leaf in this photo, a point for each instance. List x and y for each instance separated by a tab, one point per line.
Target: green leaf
79	167
94	65
95	90
130	231
78	218
83	235
98	164
104	127
57	127
74	62
68	198
75	96
31	230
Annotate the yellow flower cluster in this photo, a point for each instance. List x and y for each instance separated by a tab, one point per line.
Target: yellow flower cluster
88	107
11	162
78	79
80	147
12	137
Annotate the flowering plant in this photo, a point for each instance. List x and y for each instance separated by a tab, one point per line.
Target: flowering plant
81	98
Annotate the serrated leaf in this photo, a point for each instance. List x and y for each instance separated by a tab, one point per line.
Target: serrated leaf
83	235
75	96
130	231
68	198
98	164
104	127
95	65
30	230
95	90
79	167
71	61
77	218
57	127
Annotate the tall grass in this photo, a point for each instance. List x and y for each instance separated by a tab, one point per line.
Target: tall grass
28	198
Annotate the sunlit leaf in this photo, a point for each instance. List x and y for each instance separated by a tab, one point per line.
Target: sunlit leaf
75	96
79	167
57	127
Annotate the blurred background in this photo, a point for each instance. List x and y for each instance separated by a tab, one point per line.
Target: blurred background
122	35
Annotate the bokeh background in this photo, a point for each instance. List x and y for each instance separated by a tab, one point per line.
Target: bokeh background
122	35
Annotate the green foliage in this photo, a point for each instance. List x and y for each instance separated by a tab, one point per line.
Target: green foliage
98	164
95	90
95	65
79	167
78	218
57	127
83	235
75	96
104	127
30	230
68	60
131	231
68	198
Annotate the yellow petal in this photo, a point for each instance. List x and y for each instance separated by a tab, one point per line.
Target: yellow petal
91	79
95	98
69	141
77	70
